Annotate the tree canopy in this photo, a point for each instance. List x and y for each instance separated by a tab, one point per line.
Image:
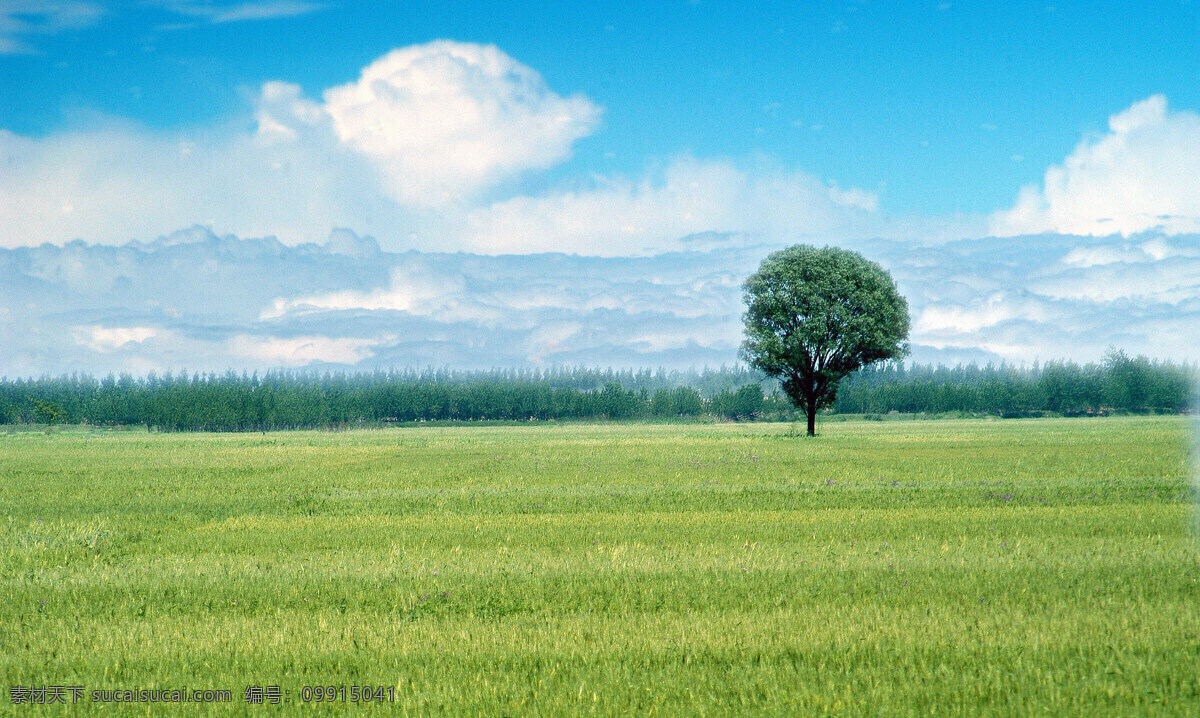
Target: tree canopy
815	315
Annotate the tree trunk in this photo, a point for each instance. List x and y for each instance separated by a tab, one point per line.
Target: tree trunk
812	416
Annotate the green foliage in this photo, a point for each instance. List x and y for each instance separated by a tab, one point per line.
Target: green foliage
895	568
1129	382
745	403
1128	385
680	401
299	400
47	412
815	315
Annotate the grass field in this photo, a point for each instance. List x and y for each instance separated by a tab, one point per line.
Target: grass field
1029	567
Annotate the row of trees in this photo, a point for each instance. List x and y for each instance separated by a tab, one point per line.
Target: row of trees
289	400
1120	382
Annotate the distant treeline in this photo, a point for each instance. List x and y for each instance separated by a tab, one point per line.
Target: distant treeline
293	400
1120	383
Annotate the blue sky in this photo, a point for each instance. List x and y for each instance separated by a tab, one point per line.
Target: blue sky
927	104
622	130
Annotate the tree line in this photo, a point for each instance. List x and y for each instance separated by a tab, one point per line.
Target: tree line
1119	383
298	399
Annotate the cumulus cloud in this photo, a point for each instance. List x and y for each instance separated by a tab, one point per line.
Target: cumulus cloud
20	19
446	119
1138	176
438	123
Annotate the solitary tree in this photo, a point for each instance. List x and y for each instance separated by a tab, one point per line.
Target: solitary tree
815	315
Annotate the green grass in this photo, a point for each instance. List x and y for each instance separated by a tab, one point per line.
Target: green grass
1032	567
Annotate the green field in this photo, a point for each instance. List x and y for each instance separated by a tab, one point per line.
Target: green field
1026	567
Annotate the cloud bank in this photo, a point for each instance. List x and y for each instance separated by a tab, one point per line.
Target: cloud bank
196	301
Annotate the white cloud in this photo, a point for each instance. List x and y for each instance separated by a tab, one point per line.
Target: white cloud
620	216
113	182
109	339
283	113
1169	281
22	18
299	351
1093	256
413	288
292	178
1150	250
1140	175
446	119
950	317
